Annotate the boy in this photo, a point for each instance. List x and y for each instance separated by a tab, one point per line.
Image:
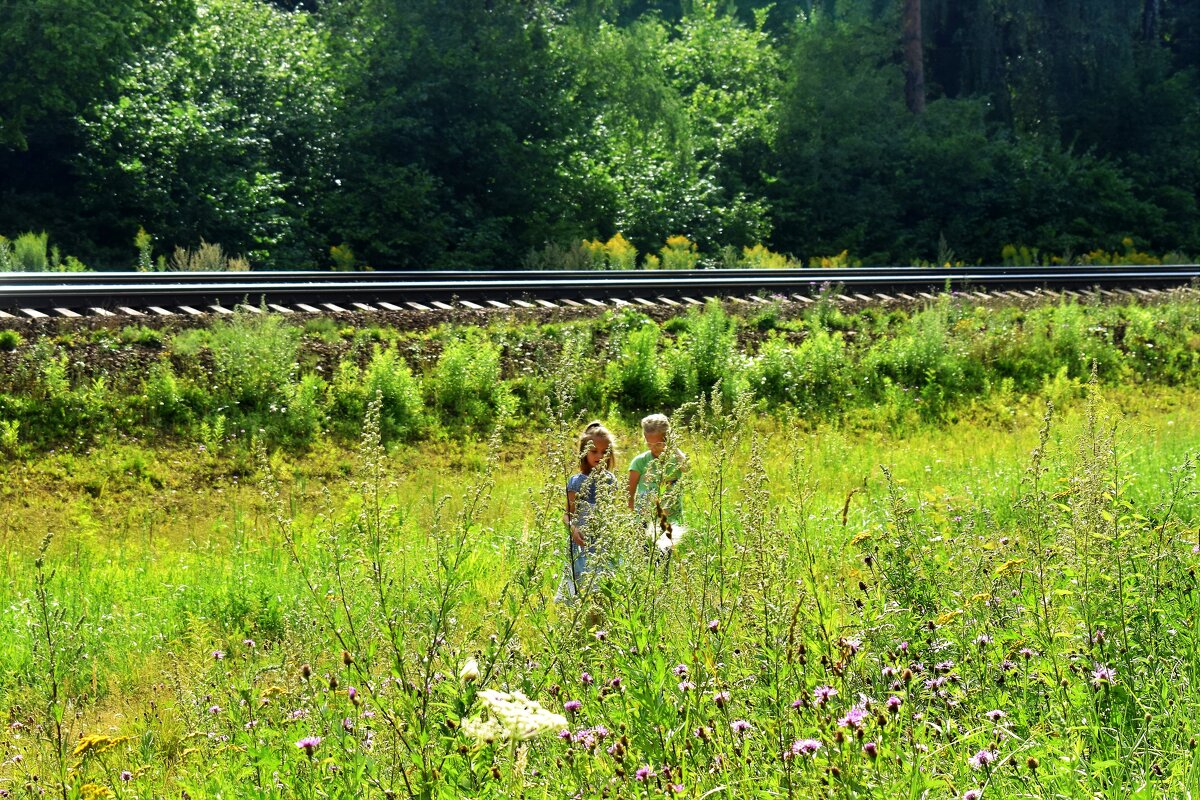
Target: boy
652	481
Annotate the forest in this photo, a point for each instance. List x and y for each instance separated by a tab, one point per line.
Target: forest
495	134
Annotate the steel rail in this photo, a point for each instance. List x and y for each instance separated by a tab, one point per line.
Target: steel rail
42	291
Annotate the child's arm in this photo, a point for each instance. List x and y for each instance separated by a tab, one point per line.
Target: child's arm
576	535
634	477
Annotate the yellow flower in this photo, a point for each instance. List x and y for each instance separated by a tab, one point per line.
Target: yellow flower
97	743
94	791
947	617
1009	566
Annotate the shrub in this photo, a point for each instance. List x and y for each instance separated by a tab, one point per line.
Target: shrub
635	379
254	356
389	377
466	383
29	252
680	252
10	340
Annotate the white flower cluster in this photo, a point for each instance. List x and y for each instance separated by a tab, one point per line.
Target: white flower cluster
512	716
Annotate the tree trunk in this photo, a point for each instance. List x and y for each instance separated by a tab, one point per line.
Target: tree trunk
914	58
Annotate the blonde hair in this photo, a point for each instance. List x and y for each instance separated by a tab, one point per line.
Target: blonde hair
596	432
656	423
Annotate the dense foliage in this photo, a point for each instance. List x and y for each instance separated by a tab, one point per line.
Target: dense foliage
499	134
261	377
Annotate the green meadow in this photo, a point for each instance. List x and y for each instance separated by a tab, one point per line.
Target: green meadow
968	575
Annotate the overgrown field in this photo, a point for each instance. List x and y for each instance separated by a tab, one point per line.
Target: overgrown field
870	603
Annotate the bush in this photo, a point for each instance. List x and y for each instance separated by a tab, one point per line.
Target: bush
635	379
10	340
254	356
466	383
389	376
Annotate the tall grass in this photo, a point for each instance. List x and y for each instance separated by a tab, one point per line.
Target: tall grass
874	618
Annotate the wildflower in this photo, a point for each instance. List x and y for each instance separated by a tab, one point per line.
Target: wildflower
1103	676
982	759
983	640
251	725
944	666
995	715
644	774
516	715
806	747
702	733
852	644
680	670
798	703
572	706
972	794
348	725
893	704
347	659
352	693
824	694
308	744
218	655
214	709
586	679
721	698
469	672
615	684
126	776
1027	653
740	726
565	734
600	635
871	750
675	788
713	625
248	643
686	686
854	718
305	672
889	672
299	713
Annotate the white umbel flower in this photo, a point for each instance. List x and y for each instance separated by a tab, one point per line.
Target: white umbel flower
511	716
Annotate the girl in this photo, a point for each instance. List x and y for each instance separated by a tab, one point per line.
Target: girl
597	452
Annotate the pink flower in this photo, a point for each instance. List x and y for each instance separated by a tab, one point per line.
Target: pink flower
309	743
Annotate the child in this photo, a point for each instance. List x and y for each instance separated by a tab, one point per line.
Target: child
653	492
596	454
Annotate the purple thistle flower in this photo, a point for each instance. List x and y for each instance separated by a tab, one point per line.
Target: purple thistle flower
871	749
740	726
348	725
600	635
248	643
972	794
680	670
1103	676
572	706
824	694
675	788
806	747
218	655
713	625
721	698
797	704
982	759
565	735
889	672
615	684
126	776
586	679
854	718
644	773
309	743
983	640
1027	653
894	703
214	709
944	666
686	686
995	715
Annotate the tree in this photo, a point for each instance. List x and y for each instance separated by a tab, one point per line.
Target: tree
222	133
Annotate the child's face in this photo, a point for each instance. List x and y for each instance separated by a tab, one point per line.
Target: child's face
655	441
596	453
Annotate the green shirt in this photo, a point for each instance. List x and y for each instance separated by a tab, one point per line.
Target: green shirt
658	479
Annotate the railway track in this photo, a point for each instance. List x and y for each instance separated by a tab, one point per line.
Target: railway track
43	295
